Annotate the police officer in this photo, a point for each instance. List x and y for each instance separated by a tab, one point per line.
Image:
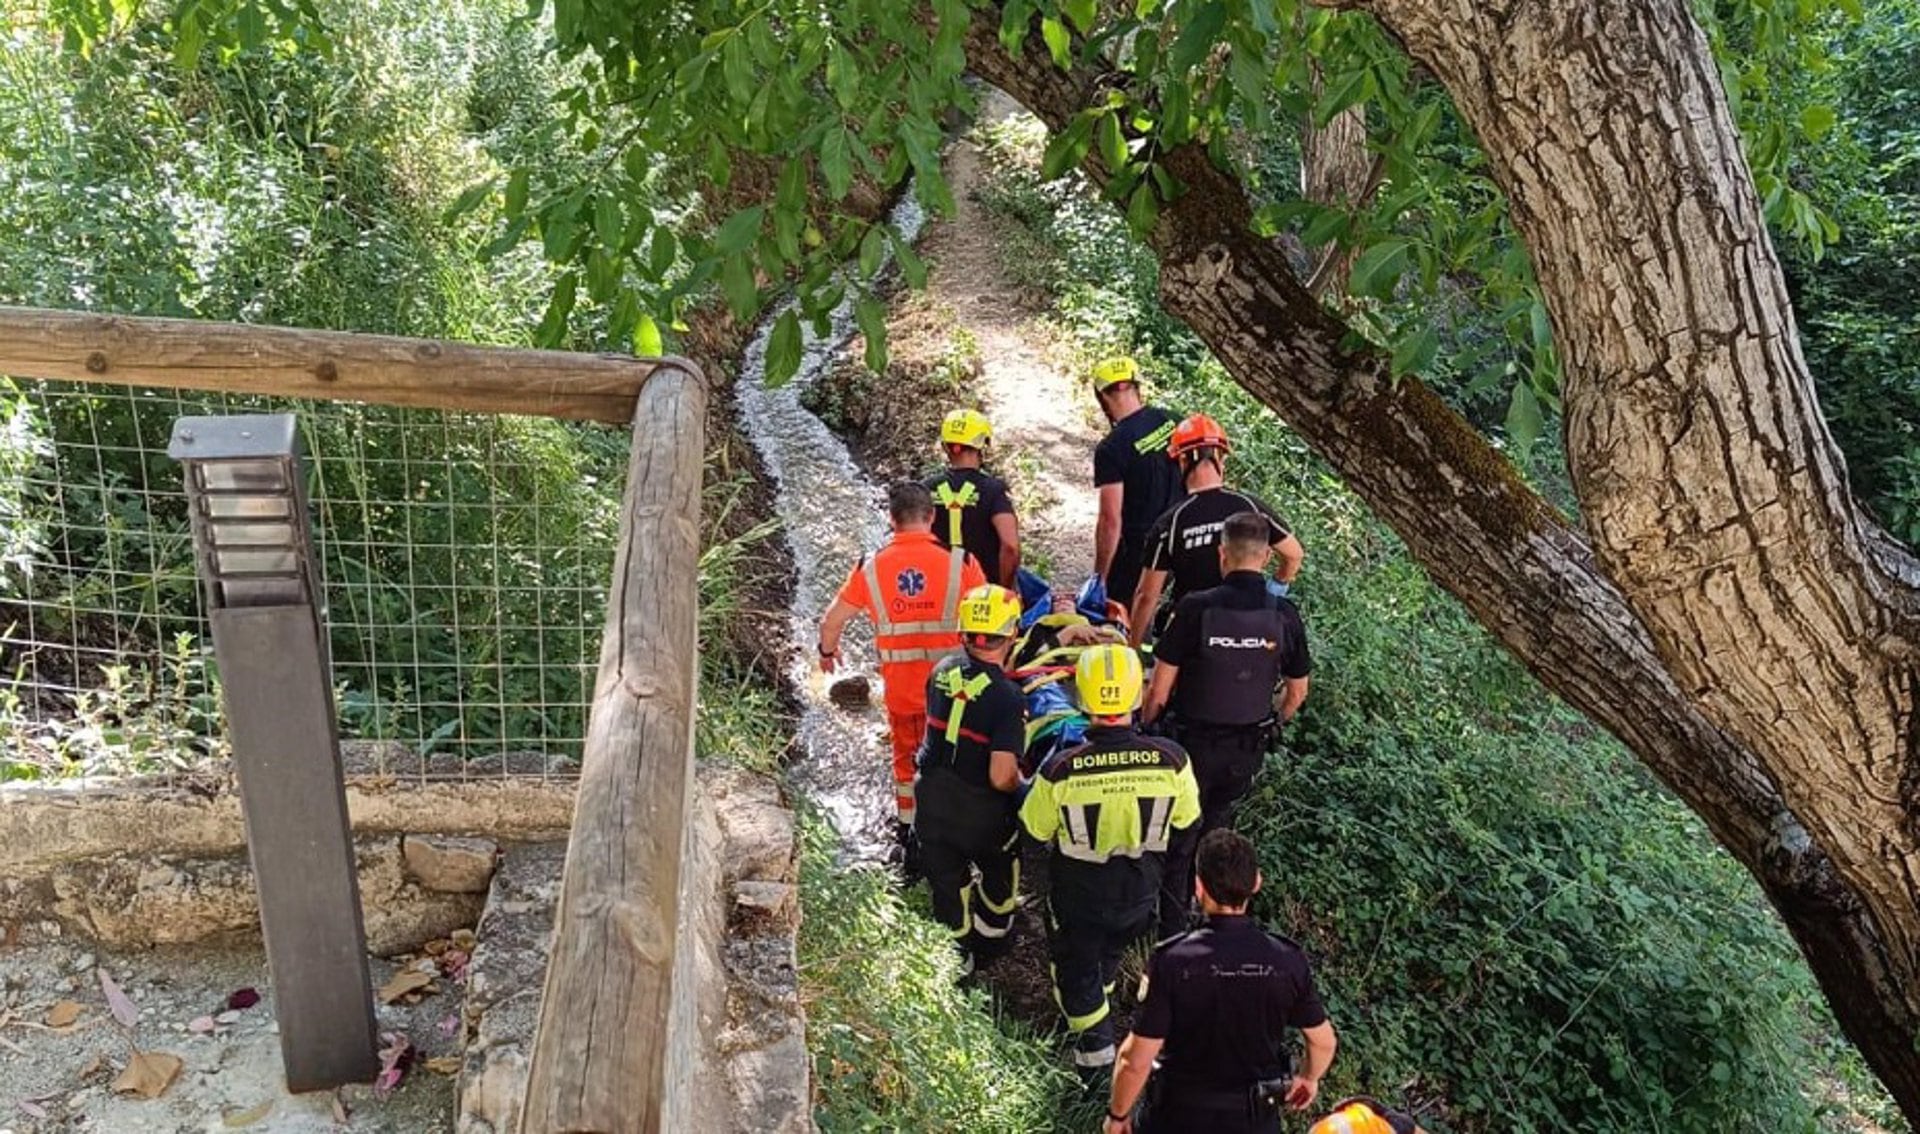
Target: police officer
969	769
1217	1005
976	512
1109	807
1135	481
1180	547
1231	668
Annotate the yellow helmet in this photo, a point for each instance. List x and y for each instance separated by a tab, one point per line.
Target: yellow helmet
1113	371
966	427
990	610
1108	679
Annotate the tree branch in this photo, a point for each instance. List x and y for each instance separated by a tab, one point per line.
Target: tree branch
1516	564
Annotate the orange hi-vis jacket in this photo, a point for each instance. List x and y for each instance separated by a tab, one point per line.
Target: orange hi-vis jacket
911	591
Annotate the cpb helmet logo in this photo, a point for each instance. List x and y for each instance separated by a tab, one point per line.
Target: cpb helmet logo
910	582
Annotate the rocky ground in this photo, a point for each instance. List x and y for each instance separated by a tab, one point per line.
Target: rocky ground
199	1060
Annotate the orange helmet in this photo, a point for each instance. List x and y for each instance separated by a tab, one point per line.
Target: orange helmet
1361	1116
1196	433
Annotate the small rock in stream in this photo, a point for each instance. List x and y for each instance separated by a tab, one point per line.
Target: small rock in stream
851	692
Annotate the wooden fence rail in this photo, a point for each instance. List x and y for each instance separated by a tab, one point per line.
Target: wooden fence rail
610	1056
287	362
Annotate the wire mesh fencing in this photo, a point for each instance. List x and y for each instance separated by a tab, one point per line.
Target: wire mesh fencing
464	559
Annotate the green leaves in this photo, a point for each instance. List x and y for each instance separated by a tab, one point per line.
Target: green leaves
871	317
1066	149
1523	419
1197	35
1059	42
738	231
1378	269
1816	121
783	348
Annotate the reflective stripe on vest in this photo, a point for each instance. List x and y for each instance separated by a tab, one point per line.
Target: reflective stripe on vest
884	627
956	502
961	691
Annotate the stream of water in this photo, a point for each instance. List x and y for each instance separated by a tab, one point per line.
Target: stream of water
832	514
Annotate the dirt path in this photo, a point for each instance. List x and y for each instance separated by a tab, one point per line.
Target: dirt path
1044	422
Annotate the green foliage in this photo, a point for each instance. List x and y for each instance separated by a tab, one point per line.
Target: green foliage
1507	915
1856	303
896	1044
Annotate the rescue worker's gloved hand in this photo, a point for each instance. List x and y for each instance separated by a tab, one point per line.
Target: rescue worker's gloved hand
1278	589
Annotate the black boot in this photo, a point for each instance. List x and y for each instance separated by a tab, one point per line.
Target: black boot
905	855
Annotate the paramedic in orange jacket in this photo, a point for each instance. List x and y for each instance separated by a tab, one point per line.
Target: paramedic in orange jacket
915	622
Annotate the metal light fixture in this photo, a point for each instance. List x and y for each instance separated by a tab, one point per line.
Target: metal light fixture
246	489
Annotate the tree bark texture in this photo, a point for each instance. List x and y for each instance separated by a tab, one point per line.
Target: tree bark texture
1335	169
1516	563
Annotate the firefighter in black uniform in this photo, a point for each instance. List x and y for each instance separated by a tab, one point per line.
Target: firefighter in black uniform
1180	548
975	511
967	819
1215	1012
1108	807
1229	671
1135	480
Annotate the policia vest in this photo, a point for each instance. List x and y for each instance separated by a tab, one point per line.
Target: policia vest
1233	644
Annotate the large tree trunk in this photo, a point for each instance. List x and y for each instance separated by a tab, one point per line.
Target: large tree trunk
1530	577
1336	169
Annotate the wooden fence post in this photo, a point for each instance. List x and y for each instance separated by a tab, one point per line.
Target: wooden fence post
605	1058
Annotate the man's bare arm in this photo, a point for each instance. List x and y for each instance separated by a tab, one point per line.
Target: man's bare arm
1106	528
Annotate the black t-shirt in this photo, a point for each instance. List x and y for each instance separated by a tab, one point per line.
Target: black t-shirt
1222	998
992	718
1262	641
1134	455
1185	540
971	499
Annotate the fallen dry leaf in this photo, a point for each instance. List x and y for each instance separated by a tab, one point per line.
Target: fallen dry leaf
436	947
63	1013
200	1025
340	1111
402	983
123	1009
444	1065
242	999
395	1058
148	1074
94	1066
234	1119
32	1109
463	939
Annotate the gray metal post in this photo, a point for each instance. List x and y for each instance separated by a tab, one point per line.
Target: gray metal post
254	551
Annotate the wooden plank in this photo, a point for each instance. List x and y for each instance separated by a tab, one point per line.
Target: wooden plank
280	713
287	362
604	1060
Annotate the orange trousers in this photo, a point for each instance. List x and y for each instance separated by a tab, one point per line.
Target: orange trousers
907	721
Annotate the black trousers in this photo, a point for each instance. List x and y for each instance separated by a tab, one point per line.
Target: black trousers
1171	1116
968	838
1123	575
1225	761
1086	946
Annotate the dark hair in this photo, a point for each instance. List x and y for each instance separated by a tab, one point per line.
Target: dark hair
909	502
1227	867
1246	535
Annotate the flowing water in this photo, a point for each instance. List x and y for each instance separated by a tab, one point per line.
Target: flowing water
832	515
